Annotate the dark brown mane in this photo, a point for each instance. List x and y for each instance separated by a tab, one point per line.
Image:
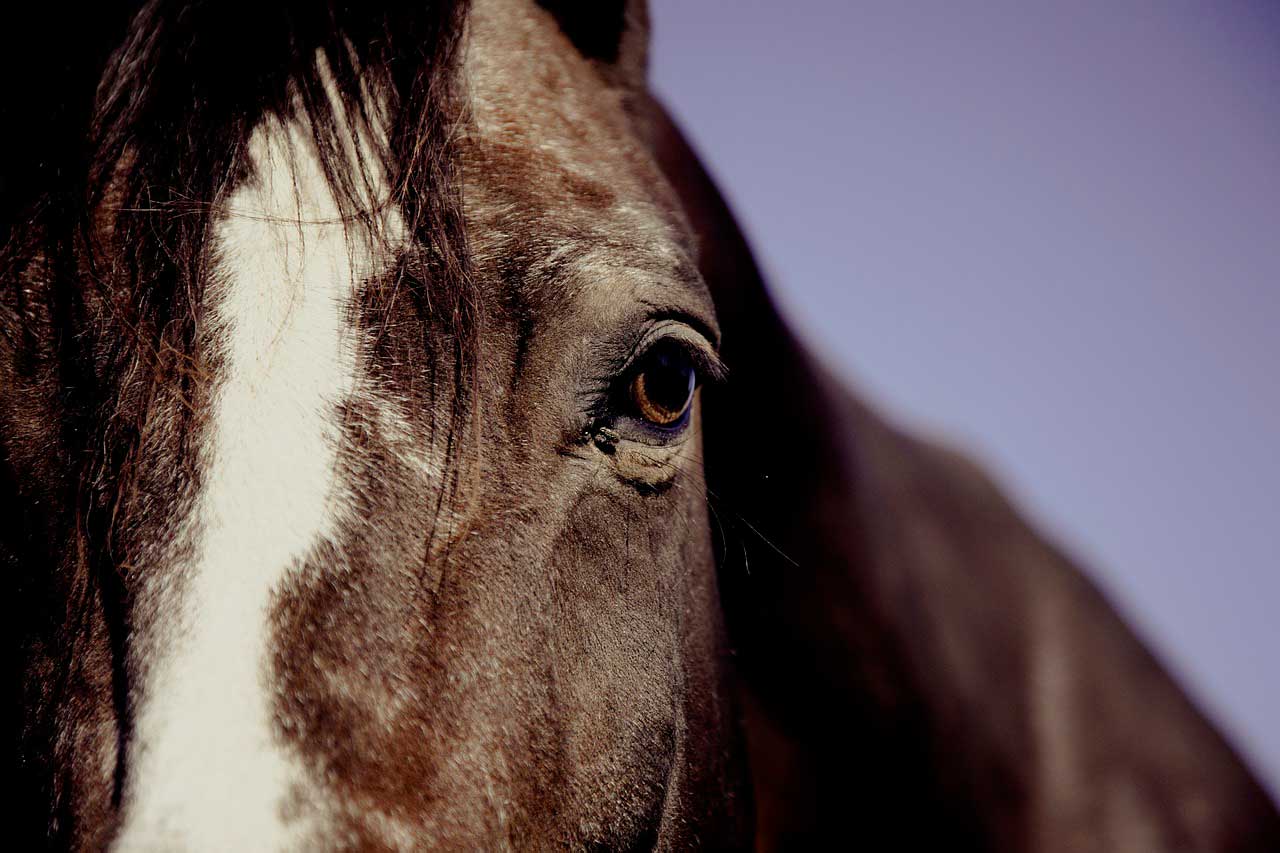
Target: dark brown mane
135	133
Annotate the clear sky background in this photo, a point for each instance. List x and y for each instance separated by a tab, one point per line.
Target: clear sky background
1051	232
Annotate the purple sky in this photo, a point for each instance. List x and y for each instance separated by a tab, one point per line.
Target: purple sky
1050	232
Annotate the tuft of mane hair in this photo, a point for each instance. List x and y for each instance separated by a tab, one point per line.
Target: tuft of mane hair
128	132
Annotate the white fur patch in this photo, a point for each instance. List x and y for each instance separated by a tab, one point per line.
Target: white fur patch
206	768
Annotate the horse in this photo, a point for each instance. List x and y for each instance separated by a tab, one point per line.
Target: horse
401	450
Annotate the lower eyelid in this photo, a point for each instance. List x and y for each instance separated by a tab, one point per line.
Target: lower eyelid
658	436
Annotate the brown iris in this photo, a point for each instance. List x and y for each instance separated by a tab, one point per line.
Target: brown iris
662	388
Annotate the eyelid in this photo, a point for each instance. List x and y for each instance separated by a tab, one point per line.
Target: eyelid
710	367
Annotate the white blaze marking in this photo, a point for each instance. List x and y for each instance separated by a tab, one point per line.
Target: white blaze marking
207	770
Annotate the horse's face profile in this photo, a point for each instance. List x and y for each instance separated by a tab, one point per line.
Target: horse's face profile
521	642
397	437
414	547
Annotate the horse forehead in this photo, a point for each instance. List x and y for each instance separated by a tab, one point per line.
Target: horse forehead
529	88
524	77
552	159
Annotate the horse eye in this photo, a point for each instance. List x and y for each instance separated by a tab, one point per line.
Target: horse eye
662	386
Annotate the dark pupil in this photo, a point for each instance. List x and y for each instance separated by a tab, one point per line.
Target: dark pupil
669	380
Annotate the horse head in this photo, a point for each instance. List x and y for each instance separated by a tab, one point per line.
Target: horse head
400	438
